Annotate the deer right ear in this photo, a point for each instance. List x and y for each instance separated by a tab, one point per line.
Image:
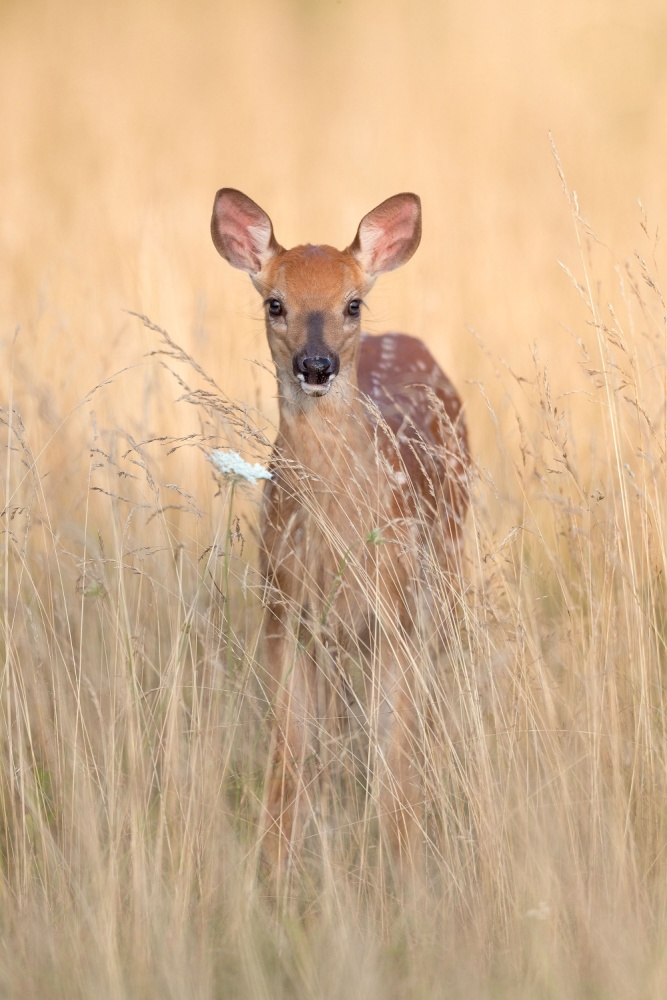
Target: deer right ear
242	231
389	235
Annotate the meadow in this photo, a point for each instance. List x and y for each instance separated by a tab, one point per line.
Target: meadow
133	723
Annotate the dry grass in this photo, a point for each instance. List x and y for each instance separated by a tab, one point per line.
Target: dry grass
133	734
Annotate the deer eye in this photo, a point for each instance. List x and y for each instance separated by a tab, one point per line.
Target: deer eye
354	307
275	307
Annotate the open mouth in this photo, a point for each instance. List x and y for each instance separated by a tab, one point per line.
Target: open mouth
315	388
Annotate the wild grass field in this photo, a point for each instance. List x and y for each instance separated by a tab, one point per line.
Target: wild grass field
134	734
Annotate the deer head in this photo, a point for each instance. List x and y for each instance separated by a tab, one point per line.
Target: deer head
313	295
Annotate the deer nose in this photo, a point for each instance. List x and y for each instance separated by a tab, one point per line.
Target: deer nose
315	370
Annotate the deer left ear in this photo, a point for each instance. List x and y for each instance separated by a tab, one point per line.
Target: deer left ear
242	231
389	235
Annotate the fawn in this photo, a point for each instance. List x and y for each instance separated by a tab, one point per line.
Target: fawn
369	472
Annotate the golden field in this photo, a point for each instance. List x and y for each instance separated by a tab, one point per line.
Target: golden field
133	731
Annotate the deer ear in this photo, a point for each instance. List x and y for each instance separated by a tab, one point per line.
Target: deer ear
242	231
389	235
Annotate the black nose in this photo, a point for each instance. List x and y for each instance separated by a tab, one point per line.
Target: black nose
317	370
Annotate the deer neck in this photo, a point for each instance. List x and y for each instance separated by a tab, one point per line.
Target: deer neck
325	435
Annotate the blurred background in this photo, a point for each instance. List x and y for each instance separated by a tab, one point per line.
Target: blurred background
119	122
132	751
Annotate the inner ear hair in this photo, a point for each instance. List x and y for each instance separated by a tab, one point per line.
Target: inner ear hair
242	231
389	235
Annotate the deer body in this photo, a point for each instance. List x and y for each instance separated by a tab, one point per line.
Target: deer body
367	470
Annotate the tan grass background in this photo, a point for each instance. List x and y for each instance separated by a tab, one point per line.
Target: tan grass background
120	123
130	757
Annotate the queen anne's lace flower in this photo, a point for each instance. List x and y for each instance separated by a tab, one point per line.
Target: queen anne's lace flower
230	463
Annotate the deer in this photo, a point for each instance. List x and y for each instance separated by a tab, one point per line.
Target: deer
368	473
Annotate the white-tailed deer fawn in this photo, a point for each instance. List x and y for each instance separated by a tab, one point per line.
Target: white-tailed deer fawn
368	474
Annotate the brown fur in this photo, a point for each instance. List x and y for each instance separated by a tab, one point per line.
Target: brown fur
362	473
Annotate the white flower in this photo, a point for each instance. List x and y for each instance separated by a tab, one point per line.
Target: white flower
230	463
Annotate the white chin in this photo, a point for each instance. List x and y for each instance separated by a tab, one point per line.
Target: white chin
316	390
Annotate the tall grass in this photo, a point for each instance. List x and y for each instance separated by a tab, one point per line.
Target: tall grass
135	734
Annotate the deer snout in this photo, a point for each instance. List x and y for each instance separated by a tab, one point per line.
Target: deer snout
317	371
